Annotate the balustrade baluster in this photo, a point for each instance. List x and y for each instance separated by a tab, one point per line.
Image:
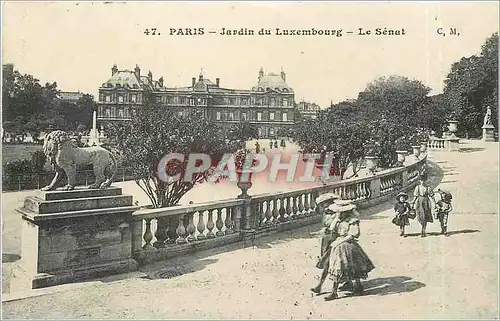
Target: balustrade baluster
201	226
306	204
301	205
313	203
171	230
191	229
161	233
359	193
261	213
269	214
288	207
368	190
229	220
219	223
275	211
181	231
148	236
295	208
210	224
282	210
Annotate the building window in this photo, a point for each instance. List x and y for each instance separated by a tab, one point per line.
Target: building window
272	102
284	116
244	116
107	112
120	113
259	116
133	98
107	98
182	100
218	115
271	131
271	116
285	102
231	116
120	99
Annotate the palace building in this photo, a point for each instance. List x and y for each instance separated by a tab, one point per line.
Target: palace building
269	104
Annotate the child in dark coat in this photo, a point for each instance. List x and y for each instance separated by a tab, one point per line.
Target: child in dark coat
402	210
443	208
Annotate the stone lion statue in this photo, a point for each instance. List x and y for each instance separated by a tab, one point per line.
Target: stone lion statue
65	155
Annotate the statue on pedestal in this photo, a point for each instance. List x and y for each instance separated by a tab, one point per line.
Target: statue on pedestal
487	117
65	156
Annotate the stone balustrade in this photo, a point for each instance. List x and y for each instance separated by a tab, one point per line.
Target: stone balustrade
449	143
166	232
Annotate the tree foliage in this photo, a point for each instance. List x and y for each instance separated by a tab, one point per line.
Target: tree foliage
30	107
472	86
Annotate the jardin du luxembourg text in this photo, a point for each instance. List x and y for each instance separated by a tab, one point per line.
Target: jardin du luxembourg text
338	32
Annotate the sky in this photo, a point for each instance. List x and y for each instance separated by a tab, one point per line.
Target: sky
77	43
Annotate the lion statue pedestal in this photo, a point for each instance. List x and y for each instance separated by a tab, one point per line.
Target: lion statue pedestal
74	235
65	156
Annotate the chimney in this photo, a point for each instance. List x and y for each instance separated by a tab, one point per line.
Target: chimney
217	81
137	72
261	72
283	75
150	76
114	70
160	81
193	81
201	77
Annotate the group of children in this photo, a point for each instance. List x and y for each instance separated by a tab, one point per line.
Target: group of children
404	212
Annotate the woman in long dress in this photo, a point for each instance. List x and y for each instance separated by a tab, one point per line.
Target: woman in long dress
422	203
348	262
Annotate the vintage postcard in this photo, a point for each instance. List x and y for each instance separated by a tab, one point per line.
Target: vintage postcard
249	160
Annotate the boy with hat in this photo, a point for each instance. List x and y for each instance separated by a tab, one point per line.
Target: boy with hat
443	208
402	209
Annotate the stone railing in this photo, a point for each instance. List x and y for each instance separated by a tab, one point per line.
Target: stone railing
443	144
165	232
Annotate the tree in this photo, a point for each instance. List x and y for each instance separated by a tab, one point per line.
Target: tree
337	132
472	86
156	131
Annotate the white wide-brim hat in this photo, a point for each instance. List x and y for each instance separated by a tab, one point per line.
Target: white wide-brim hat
326	197
342	206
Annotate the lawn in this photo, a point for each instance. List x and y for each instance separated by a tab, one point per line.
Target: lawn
12	152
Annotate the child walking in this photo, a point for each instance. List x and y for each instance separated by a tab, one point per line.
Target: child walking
443	209
402	211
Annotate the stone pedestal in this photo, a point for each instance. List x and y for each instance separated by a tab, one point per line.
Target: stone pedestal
74	235
488	133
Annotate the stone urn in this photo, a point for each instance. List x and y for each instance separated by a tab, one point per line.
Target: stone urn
423	147
244	183
371	163
401	157
453	127
416	150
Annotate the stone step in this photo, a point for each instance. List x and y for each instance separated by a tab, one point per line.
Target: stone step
40	206
79	192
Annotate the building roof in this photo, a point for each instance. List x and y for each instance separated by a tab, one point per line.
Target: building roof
303	105
123	78
272	81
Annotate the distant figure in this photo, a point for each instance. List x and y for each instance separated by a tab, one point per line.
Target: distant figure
282	143
402	209
270	144
257	147
443	209
275	144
